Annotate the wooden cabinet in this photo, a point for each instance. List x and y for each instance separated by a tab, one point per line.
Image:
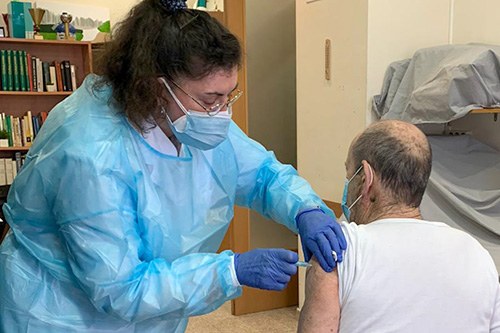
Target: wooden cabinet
17	103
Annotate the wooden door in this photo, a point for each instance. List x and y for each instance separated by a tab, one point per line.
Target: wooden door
238	236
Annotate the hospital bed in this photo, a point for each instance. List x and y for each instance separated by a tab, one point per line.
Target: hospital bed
436	86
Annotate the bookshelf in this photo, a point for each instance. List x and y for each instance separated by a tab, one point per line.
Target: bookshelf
17	103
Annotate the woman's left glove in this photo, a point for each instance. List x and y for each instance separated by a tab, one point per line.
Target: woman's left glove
269	269
321	235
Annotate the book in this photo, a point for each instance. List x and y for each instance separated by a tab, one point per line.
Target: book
39	75
34	73
3	174
43	116
16	130
17	157
15	70
29	124
8	122
29	68
63	76
3	68
46	75
57	67
9	173
53	80
67	75
10	79
22	69
73	77
14	169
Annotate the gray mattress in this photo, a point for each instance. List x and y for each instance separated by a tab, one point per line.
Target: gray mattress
464	189
440	84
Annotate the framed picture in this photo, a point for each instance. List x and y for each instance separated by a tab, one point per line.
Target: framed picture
2	32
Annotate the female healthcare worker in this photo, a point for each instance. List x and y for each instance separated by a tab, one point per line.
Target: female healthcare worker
129	189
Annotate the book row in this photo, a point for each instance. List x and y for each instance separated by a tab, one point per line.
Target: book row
10	167
22	71
20	131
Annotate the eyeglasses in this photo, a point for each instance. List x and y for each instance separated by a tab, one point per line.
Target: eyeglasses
216	108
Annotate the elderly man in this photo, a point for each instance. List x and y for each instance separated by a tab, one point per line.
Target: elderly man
400	273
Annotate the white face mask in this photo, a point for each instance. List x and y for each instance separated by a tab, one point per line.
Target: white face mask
198	129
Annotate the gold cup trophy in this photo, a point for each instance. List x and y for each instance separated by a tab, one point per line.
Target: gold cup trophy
37	16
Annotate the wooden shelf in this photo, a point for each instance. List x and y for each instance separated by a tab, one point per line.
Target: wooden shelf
486	111
17	103
14	149
35	93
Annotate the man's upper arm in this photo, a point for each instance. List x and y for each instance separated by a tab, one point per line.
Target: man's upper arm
321	310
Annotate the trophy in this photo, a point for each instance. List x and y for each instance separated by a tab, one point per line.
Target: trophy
66	19
37	16
6	20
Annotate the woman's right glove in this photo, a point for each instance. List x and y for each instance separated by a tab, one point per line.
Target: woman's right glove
269	269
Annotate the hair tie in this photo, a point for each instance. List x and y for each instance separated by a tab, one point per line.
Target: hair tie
172	6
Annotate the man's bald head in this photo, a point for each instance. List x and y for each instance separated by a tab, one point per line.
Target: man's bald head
399	154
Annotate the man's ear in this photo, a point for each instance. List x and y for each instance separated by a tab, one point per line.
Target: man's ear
369	178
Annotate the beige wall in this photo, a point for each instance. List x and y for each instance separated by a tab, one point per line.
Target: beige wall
470	25
270	38
329	113
396	29
118	8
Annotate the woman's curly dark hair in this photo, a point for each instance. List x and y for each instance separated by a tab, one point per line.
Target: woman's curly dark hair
152	42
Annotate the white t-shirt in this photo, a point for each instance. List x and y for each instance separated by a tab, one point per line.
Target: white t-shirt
408	275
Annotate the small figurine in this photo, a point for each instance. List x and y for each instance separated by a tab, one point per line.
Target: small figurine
65	30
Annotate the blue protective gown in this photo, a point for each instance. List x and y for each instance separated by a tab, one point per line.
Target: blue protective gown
110	235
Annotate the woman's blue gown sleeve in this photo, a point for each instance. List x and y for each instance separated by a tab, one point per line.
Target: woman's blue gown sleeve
273	189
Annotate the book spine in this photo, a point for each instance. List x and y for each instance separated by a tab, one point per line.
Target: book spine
17	156
59	82
34	72
15	70
63	75
73	76
29	121
39	75
43	116
9	175
46	75
14	169
17	132
10	78
3	63
67	73
3	174
22	69
8	121
53	80
29	72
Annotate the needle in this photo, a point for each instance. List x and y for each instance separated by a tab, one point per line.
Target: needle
302	264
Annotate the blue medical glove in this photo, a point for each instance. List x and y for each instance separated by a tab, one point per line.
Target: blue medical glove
269	269
321	234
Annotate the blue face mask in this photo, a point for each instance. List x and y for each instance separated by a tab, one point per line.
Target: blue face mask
198	129
345	208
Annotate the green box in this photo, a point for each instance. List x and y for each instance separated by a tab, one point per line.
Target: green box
20	19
